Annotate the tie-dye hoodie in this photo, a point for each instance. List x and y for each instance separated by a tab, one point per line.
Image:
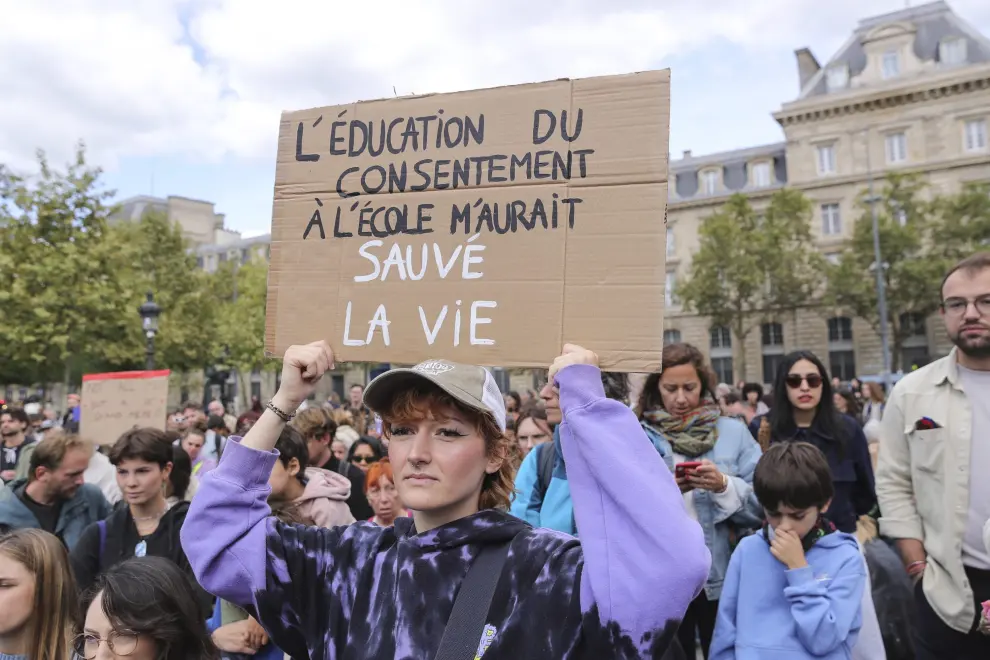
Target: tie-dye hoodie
367	592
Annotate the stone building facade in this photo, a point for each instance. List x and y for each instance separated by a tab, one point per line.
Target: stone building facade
909	91
200	223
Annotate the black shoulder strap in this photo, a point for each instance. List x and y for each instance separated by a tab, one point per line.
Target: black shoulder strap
466	625
546	457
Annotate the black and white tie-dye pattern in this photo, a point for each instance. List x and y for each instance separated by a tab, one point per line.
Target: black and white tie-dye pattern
367	592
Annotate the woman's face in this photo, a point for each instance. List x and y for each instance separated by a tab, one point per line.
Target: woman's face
680	389
280	478
363	456
98	629
529	434
140	481
510	404
339	450
16	596
840	403
440	465
384	500
753	397
804	386
865	391
193	444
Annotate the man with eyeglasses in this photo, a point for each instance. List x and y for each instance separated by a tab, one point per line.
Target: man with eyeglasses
932	480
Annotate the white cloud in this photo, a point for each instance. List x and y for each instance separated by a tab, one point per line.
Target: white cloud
123	75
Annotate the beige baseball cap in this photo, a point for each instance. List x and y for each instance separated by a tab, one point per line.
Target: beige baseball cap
469	384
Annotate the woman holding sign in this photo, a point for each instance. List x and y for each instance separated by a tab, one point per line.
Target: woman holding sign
461	578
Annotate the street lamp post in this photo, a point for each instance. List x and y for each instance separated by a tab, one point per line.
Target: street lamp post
218	374
149	311
880	269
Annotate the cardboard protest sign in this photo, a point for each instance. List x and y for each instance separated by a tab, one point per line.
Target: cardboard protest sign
487	227
113	403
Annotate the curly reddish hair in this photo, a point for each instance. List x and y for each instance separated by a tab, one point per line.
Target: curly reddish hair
379	469
424	401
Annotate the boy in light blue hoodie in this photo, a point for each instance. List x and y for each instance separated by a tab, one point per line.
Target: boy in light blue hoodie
800	593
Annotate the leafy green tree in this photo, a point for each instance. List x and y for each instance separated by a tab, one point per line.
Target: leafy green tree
153	256
920	239
57	284
961	222
241	317
753	265
913	264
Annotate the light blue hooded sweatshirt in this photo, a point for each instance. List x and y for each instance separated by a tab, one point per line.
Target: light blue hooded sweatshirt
770	613
555	509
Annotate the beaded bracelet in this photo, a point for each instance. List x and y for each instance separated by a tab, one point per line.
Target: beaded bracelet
284	416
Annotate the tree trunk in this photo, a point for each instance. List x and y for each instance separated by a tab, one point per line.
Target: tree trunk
741	332
244	390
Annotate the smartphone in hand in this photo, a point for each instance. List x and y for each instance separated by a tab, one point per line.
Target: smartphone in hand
682	470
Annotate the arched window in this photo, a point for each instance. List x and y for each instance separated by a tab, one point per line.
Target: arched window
720	346
841	354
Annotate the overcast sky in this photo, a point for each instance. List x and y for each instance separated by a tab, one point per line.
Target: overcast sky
183	97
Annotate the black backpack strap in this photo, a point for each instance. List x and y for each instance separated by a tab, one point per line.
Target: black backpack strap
466	625
546	456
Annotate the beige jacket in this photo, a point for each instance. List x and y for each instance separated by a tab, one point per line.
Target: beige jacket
922	481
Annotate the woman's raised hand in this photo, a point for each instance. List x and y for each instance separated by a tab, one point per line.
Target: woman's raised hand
572	354
302	368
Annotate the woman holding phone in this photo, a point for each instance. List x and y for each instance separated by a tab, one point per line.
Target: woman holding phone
366	591
713	458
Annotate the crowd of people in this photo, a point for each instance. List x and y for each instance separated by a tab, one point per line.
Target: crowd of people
432	515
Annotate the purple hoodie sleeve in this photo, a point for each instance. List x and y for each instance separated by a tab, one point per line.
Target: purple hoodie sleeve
645	559
225	534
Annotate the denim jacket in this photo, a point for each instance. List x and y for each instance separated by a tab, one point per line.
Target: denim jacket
736	454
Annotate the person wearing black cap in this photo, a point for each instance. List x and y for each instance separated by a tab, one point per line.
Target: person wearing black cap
374	592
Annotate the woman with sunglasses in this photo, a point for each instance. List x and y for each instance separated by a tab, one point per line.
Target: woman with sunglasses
364	452
144	608
372	592
804	409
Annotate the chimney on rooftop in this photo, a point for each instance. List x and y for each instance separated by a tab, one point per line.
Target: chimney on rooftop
808	66
687	153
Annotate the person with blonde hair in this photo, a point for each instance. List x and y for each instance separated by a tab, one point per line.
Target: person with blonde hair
38	605
388	592
342	441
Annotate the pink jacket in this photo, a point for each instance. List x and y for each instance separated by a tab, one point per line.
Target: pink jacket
324	499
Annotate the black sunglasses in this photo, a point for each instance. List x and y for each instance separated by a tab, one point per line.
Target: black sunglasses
364	459
794	381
